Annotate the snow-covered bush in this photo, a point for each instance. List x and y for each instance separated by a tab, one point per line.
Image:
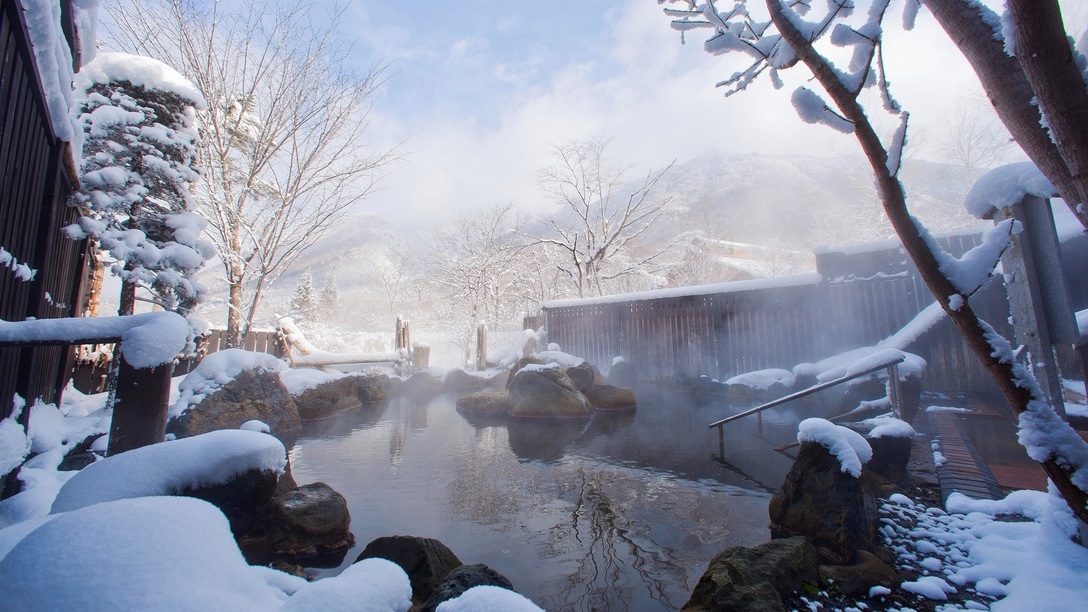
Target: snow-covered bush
138	166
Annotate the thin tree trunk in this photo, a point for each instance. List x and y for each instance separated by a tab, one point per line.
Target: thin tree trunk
1009	91
1044	53
894	202
234	312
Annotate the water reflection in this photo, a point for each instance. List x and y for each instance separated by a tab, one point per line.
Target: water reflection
619	512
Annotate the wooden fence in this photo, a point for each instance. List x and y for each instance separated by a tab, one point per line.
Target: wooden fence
729	329
34	188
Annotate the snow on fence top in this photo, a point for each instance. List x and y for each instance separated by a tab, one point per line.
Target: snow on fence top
147	340
657	294
846	445
171	467
142	71
1004	186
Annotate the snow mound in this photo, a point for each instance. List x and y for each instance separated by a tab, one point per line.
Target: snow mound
374	585
1004	186
14	445
151	553
139	70
488	599
300	380
565	360
169	467
538	367
218	369
889	427
847	445
763	379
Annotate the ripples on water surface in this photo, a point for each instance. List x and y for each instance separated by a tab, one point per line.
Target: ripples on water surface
621	513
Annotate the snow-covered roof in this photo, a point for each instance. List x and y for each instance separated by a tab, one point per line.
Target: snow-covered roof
656	294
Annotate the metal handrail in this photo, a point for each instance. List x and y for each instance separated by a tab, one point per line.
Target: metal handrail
893	375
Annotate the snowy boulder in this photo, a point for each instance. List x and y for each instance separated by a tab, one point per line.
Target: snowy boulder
170	468
460	380
623	374
255	393
309	522
426	561
757	577
856	580
462	579
328	399
545	392
819	499
584	376
487	597
521	363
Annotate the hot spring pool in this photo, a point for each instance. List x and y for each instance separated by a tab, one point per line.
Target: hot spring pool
619	513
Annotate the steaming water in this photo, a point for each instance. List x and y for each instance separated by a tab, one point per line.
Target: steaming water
621	513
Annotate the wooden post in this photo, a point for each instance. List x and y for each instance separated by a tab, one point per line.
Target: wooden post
1038	298
421	356
481	346
140	410
893	388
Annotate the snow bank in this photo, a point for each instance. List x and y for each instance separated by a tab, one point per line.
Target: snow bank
847	445
299	380
139	70
763	379
374	585
218	369
520	348
169	467
538	367
165	553
1004	186
489	599
14	442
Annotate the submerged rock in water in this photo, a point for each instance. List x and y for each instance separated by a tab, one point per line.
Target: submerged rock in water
309	521
426	561
757	578
833	509
254	394
485	402
328	399
462	579
607	397
373	389
546	393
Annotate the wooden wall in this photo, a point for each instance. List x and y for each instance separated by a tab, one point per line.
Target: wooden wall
33	193
727	333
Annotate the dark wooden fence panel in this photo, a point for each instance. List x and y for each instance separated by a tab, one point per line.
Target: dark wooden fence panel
732	332
33	193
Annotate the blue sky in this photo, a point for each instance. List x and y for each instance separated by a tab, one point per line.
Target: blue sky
479	90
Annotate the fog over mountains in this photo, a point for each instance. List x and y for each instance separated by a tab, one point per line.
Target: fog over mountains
776	201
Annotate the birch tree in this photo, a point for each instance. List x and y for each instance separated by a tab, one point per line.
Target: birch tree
598	225
786	38
284	146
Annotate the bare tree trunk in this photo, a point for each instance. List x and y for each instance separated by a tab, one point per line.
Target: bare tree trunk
1009	90
973	330
1044	53
234	313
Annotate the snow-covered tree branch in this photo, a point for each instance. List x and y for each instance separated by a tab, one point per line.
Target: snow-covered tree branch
811	43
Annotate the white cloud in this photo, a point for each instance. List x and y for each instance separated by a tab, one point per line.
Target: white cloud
655	96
